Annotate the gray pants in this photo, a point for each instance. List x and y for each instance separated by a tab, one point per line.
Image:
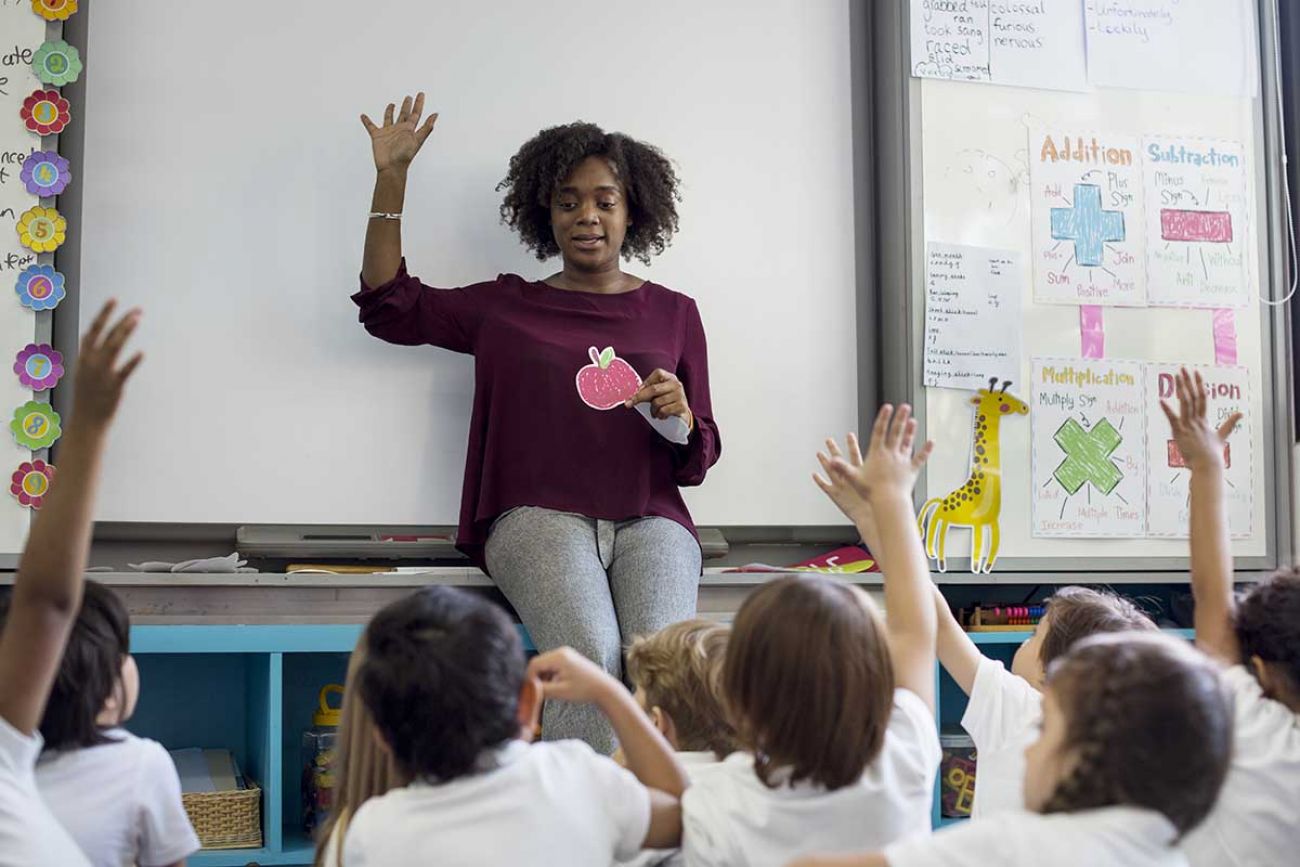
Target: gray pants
592	585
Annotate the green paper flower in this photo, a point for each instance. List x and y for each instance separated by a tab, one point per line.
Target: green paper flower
36	425
57	63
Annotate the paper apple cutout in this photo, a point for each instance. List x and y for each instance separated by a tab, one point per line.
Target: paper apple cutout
608	381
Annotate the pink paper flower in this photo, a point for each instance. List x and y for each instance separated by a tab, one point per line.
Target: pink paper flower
31	482
39	366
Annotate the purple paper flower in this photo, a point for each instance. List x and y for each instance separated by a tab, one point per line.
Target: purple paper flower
39	366
45	174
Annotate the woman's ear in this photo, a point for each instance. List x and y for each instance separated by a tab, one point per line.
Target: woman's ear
663	724
380	742
530	708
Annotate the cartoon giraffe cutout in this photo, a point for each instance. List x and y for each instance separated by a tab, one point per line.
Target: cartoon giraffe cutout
978	503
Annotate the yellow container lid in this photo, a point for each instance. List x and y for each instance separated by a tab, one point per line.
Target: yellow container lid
326	715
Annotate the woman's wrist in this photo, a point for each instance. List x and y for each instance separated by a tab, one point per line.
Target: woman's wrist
390	191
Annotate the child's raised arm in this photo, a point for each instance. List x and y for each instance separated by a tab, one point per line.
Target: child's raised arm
958	654
567	675
1202	449
47	588
886	478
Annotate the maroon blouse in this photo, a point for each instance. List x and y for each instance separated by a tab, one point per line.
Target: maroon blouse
537	436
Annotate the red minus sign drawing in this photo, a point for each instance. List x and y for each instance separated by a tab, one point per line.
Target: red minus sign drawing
1213	227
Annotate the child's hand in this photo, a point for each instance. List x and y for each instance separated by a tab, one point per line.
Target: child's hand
1200	444
890	467
853	503
97	389
567	675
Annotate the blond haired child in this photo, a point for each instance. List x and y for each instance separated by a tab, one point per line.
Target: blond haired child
47	594
833	707
1258	638
363	769
1135	743
676	674
1005	707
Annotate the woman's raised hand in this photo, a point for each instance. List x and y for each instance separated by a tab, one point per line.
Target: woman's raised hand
397	142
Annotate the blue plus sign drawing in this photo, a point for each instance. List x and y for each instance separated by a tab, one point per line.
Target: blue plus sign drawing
1087	225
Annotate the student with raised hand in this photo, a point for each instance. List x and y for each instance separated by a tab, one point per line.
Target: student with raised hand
1258	639
833	705
444	679
47	595
1134	746
1005	711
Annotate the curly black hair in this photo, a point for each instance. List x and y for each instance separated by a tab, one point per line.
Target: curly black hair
1268	623
549	157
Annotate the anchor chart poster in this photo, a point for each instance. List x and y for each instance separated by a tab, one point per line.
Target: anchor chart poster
1089	451
1086	210
1196	220
1227	390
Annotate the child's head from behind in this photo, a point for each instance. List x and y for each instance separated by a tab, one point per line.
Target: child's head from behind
444	679
1073	614
1138	720
1268	631
677	673
808	681
98	683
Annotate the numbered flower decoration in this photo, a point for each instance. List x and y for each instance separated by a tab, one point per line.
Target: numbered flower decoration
39	366
45	174
40	287
31	482
45	112
54	10
35	425
57	63
42	230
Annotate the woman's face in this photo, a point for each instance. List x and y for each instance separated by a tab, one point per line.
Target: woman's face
1048	760
589	216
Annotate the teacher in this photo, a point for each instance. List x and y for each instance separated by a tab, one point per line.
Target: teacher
591	390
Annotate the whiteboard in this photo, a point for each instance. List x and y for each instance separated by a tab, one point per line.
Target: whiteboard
974	171
226	181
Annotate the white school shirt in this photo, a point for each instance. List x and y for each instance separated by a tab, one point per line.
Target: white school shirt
1109	836
542	804
730	818
1255	821
29	833
1002	718
696	764
120	801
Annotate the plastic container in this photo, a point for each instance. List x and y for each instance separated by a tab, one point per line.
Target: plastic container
318	760
956	775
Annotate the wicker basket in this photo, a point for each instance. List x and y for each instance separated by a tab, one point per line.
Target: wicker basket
226	820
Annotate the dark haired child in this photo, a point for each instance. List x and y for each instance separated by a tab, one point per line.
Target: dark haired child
1258	638
1005	707
47	594
117	795
444	679
1135	743
833	706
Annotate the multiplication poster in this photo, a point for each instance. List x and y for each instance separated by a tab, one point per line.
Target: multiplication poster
1197	230
1227	390
1088	448
1086	210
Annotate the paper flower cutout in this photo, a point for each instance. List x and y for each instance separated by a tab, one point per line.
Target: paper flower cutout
42	229
31	482
40	287
54	10
35	425
45	174
46	112
57	63
39	366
